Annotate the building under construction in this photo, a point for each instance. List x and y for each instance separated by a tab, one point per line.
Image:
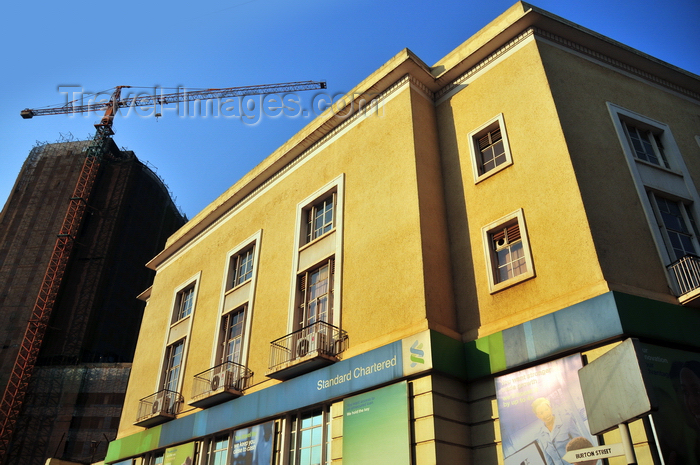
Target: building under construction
70	406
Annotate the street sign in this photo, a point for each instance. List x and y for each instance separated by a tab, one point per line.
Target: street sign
594	453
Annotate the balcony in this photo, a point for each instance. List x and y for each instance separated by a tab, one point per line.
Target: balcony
305	350
158	408
219	384
686	274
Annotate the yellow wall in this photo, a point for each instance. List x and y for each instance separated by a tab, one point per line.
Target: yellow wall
541	181
581	89
384	259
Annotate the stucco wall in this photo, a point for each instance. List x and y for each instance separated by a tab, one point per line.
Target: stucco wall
540	181
383	259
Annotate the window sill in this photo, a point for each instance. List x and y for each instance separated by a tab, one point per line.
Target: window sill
658	167
490	173
318	239
178	322
494	288
237	286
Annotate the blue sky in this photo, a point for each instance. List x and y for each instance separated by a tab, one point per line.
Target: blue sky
94	46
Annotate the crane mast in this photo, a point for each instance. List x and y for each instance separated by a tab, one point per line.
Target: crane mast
16	389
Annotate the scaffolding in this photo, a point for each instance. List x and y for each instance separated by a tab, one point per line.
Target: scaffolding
16	389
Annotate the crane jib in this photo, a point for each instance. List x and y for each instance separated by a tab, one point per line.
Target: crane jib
183	96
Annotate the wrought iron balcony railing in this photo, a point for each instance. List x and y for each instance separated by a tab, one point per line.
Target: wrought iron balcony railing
320	339
686	272
228	377
158	408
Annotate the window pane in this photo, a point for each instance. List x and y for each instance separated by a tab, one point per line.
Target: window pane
306	422
306	438
316	455
305	457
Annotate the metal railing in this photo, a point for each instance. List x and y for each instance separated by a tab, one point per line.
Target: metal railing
164	402
686	272
228	375
320	338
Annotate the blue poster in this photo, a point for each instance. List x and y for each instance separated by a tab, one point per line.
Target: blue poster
253	445
542	414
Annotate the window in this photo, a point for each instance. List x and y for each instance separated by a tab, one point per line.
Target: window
310	438
315	282
319	218
677	226
316	296
173	364
492	151
218	451
156	459
507	251
241	267
646	145
232	330
184	303
489	148
507	245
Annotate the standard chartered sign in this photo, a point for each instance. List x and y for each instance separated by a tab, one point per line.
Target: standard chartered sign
356	373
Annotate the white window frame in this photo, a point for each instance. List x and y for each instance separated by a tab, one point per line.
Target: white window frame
653	136
674	183
228	286
311	213
336	187
490	254
687	218
183	297
178	330
245	256
475	151
193	284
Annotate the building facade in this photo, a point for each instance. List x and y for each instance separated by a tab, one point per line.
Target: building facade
418	277
73	401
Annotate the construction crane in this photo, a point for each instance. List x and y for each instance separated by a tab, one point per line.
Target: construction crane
15	392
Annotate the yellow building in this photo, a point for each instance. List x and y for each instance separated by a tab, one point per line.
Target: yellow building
417	277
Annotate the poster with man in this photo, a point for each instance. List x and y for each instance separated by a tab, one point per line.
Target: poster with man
253	445
542	413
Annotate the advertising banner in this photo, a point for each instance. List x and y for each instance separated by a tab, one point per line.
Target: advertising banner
674	375
253	445
376	424
542	413
179	455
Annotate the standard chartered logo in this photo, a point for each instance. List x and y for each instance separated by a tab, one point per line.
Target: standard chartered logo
417	354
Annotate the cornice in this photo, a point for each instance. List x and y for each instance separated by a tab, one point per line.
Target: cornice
371	108
615	63
485	62
571	45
